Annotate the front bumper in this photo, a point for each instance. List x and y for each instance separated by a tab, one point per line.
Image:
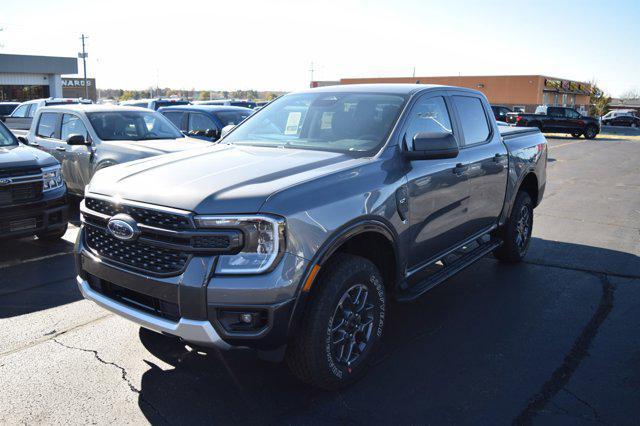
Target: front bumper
50	214
197	332
195	304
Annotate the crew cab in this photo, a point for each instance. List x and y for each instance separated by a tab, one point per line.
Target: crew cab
204	121
155	104
20	119
32	193
558	120
87	138
292	234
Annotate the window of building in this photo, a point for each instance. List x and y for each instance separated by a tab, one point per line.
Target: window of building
564	99
472	118
545	98
47	125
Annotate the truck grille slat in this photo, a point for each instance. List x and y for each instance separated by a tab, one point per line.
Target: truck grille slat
20	193
141	215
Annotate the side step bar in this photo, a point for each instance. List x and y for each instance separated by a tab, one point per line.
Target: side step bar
448	269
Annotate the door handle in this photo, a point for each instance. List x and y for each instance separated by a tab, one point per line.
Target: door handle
497	158
460	168
60	148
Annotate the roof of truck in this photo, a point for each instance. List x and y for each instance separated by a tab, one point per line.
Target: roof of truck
95	108
391	88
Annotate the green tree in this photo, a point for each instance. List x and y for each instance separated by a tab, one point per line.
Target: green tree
598	101
203	96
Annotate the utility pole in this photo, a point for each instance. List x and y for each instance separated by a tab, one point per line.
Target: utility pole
311	71
84	55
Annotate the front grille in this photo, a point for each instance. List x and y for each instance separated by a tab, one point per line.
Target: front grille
153	305
20	193
141	215
9	173
137	255
211	241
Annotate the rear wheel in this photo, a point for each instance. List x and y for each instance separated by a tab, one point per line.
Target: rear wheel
342	326
516	232
53	235
590	132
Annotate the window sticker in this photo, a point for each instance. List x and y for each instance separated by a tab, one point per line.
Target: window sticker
293	123
325	121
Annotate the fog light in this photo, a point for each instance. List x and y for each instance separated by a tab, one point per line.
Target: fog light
246	318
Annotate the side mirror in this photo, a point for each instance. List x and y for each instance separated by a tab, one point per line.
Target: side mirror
23	140
226	129
432	145
77	140
213	134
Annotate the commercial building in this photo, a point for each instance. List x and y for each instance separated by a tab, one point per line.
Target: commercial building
520	92
25	77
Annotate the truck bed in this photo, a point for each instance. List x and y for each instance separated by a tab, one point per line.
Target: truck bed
508	132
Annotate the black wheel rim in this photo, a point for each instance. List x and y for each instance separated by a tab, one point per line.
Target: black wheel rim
352	326
591	133
523	228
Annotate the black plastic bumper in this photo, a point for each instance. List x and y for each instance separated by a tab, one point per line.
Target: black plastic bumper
50	214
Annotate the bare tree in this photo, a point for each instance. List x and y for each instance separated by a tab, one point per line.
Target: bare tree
633	93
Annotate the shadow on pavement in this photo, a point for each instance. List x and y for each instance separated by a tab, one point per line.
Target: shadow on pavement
474	350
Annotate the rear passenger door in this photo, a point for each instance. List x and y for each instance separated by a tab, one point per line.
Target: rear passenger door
177	118
47	135
484	157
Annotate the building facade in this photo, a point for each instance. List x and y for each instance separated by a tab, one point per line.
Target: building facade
73	87
26	77
520	92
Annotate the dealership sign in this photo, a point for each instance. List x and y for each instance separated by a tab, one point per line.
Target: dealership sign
76	82
566	86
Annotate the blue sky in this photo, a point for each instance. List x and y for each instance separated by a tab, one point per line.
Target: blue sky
270	44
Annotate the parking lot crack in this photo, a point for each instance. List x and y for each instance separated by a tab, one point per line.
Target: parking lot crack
579	350
596	416
123	373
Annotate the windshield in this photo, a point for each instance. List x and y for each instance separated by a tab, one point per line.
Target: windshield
6	137
356	123
132	126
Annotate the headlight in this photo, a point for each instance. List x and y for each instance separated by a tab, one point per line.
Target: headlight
263	242
52	177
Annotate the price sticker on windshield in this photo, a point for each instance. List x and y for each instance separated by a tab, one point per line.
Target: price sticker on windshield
293	123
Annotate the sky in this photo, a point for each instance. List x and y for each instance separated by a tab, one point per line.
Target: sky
270	45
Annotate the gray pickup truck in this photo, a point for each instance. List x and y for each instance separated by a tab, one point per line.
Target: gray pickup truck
87	138
294	232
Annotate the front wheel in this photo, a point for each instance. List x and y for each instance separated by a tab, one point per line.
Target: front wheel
516	232
576	134
342	326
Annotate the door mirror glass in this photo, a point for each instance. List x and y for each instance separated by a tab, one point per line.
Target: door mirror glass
213	134
76	140
432	145
23	140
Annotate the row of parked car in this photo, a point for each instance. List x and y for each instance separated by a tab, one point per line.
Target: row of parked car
564	120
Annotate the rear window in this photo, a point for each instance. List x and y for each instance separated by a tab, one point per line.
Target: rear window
472	118
47	125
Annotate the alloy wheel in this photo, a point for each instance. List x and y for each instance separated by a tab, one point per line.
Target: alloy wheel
523	228
352	326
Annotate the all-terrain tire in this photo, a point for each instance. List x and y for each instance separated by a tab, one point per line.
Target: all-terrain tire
516	232
590	132
311	356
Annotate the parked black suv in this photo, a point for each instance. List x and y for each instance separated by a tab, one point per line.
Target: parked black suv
32	193
558	120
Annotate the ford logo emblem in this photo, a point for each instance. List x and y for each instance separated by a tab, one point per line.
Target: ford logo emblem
123	227
6	181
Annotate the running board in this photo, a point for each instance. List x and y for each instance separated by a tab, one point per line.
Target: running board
448	269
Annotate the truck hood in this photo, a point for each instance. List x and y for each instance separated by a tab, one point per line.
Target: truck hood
18	156
218	179
162	146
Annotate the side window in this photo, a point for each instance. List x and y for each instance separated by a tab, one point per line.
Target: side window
200	123
428	115
21	111
175	117
47	125
32	110
572	114
472	119
72	125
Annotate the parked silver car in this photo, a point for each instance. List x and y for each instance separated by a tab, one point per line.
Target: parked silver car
87	138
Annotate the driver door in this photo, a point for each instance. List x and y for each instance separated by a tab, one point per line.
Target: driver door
76	167
438	189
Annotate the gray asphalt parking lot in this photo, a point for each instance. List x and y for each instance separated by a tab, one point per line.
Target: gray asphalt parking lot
550	340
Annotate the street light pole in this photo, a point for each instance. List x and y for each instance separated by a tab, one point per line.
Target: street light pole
84	55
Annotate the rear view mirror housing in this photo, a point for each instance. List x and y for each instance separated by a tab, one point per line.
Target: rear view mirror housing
431	146
226	129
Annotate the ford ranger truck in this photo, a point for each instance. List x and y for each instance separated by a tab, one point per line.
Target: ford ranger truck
296	230
32	192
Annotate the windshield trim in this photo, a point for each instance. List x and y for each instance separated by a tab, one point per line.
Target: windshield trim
373	152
